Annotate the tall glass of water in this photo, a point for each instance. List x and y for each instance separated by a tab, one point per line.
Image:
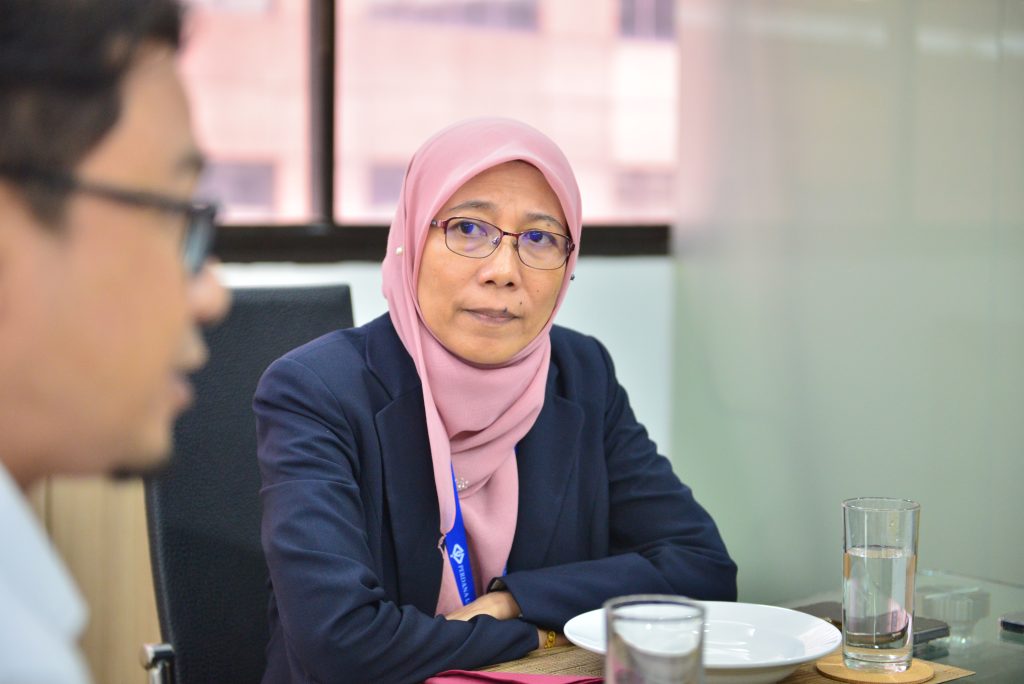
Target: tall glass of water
879	567
653	639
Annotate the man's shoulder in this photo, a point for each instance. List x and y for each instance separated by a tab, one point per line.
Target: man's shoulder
31	650
41	612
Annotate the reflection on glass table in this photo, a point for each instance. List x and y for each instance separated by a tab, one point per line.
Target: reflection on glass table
972	608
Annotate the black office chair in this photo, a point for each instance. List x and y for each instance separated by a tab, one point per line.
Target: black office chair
203	510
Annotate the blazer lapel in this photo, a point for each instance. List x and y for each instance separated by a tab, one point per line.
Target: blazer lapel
546	458
408	474
411	500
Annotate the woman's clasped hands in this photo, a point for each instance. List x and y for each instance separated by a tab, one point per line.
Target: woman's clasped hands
501	605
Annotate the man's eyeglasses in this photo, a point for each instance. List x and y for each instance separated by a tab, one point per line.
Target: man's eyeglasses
200	227
477	239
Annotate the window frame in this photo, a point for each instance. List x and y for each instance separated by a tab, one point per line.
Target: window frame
328	243
323	239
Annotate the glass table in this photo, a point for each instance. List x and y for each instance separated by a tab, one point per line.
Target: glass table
972	608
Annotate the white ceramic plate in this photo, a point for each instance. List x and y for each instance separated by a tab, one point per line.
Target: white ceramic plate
744	643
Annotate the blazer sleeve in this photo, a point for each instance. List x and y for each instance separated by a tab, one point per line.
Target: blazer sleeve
336	618
660	539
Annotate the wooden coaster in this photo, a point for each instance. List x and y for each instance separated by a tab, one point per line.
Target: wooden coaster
832	667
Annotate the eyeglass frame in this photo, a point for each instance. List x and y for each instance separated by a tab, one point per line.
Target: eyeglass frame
200	227
443	225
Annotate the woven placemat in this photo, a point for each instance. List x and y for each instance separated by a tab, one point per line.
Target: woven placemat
573	660
559	660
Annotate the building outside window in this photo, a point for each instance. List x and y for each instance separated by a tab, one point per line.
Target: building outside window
245	188
405	69
507	14
232	5
647	19
386	184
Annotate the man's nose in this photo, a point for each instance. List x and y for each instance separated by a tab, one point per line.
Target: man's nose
208	298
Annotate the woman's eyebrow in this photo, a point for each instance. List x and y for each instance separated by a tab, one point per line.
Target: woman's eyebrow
540	216
485	205
475	204
547	218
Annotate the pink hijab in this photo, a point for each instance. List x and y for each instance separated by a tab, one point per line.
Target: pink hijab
475	415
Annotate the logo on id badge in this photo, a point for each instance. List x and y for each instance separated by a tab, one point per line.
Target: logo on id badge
458	554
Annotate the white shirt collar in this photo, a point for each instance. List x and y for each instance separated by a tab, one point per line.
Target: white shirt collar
31	568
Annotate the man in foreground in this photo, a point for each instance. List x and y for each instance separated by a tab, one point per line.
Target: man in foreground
103	281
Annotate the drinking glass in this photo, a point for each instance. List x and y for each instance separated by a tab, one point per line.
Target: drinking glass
653	639
879	567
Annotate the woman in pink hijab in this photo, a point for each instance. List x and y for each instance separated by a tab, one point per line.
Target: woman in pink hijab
447	485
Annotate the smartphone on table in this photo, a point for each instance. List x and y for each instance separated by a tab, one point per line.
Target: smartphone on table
925	629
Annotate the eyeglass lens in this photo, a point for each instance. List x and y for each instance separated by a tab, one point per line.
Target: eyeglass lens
477	239
198	237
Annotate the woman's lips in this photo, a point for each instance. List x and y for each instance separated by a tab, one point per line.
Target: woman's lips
492	316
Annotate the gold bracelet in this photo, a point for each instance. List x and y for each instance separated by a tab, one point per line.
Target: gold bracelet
550	640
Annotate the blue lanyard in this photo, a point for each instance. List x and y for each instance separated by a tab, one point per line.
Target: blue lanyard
457	546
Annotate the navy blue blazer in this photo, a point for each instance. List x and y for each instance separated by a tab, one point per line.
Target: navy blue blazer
350	515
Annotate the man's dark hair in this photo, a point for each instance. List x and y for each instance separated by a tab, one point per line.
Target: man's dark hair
61	67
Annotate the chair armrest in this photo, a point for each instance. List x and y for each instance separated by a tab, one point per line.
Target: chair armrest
158	660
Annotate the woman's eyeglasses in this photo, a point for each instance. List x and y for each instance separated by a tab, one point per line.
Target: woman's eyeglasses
478	239
200	217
